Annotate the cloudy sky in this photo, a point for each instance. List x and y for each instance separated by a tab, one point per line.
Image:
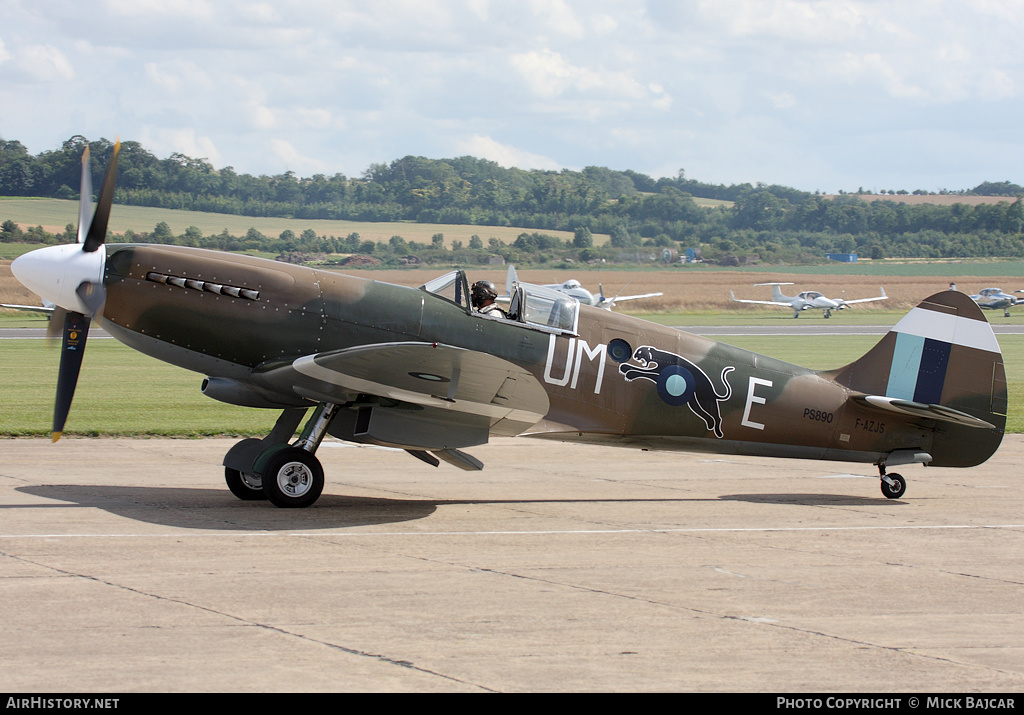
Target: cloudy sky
818	95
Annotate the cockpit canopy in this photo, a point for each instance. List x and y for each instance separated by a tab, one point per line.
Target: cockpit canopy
530	305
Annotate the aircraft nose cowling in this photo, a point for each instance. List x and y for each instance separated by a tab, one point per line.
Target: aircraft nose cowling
54	273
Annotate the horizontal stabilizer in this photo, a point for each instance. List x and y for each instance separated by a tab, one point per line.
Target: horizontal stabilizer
919	409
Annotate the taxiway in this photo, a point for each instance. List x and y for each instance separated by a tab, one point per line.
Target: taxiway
127	566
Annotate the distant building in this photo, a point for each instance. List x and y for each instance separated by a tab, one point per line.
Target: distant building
842	257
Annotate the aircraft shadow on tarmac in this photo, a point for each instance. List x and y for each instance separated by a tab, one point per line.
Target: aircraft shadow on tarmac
214	509
811	499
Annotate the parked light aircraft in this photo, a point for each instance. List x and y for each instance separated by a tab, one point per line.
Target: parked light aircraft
420	370
585	297
996	299
807	299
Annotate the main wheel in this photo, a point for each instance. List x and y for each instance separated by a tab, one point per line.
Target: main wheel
293	478
245	486
896	490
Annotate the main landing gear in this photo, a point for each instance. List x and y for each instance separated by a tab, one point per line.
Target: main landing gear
287	475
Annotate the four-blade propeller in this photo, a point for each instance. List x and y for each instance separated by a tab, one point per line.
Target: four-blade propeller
71	276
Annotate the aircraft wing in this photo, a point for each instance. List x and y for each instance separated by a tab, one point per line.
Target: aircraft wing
31	308
607	303
866	300
418	395
760	302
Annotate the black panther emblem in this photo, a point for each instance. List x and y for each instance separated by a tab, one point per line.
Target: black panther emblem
680	382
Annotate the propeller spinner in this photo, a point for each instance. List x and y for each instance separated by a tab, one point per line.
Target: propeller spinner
71	276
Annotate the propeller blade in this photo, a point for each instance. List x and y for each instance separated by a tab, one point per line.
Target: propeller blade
85	197
92	295
55	328
98	228
76	331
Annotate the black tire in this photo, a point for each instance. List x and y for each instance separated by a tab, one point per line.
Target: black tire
293	479
897	489
243	485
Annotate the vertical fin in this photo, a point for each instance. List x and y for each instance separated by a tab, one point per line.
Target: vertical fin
943	352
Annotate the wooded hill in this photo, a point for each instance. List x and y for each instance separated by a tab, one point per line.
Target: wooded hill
748	223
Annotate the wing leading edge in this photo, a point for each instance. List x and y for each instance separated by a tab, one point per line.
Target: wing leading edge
417	395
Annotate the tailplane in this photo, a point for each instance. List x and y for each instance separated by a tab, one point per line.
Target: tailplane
777	295
942	363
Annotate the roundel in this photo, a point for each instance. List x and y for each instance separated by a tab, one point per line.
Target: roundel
676	385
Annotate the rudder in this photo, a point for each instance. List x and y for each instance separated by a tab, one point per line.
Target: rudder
941	361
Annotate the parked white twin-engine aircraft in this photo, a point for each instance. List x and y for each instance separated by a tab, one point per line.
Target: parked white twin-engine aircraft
807	299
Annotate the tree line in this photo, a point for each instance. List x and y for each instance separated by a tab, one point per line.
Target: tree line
760	222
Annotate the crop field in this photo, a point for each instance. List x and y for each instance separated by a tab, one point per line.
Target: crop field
54	214
696	290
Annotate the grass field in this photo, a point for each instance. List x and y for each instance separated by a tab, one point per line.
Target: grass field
122	392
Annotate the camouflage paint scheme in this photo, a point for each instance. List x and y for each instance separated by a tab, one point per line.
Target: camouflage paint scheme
315	336
418	369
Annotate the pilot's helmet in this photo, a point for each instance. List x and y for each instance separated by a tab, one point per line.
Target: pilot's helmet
483	291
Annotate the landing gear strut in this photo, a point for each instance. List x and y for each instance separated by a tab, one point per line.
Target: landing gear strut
287	475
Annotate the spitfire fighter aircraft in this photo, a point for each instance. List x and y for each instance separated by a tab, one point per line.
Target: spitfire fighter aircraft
996	299
572	287
807	299
419	369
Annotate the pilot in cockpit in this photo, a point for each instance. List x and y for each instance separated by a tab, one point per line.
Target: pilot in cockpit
483	295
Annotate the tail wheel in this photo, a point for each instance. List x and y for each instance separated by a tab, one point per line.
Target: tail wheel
896	489
245	486
293	478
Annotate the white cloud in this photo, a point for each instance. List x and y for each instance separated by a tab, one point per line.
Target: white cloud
557	16
484	147
177	76
45	63
164	142
548	74
196	9
733	90
295	161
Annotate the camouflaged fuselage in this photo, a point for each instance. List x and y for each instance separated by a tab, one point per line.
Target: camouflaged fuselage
618	380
